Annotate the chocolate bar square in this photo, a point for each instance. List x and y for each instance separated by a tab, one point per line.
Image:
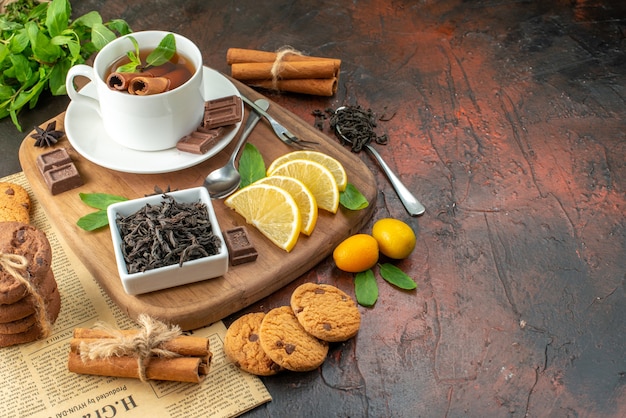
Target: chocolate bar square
63	178
51	159
240	249
199	141
222	112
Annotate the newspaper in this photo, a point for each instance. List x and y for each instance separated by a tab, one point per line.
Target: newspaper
36	382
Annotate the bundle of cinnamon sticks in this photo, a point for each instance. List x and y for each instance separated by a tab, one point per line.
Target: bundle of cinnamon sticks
155	80
187	358
285	70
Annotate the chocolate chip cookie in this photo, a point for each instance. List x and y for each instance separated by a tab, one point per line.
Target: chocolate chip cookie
286	342
26	240
14	203
326	312
242	346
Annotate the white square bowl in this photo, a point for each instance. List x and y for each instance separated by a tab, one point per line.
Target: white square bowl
173	275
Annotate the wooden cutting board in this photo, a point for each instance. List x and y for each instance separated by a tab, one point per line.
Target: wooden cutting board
198	304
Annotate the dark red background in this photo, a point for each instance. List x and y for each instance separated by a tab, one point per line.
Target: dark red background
507	120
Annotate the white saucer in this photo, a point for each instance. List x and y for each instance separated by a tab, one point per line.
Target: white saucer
85	132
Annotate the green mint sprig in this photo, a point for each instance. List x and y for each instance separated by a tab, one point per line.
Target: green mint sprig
38	45
100	201
159	56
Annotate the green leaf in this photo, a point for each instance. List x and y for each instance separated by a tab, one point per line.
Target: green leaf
35	92
101	35
366	288
133	57
57	17
251	165
120	26
163	52
397	277
4	52
71	41
131	66
43	34
19	42
39	12
93	221
7	25
20	68
351	198
21	99
43	50
89	20
5	92
100	200
58	74
13	114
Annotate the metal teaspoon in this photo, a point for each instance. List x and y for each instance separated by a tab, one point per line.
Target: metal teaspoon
225	180
410	202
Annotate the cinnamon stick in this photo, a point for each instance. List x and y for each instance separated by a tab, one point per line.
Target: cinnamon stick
316	86
286	70
144	86
242	55
177	77
184	345
179	369
120	80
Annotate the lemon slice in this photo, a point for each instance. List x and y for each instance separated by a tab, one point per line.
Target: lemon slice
326	160
272	210
301	194
317	178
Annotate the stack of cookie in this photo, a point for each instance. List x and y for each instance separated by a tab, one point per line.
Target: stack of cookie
29	298
293	337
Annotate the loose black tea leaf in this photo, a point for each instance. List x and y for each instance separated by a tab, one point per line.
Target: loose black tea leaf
356	125
158	190
320	117
168	233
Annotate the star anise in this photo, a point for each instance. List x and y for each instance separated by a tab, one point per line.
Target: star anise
47	137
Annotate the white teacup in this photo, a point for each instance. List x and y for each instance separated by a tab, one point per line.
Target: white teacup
145	123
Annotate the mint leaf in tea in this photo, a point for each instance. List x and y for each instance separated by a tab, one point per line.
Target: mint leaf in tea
150	71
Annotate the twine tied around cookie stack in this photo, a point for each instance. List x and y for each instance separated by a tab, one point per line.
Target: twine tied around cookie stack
155	351
16	265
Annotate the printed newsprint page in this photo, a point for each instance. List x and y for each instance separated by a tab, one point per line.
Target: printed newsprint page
36	382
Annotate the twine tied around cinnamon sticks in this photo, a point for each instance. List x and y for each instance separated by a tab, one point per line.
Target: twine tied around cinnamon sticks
16	265
285	70
156	351
144	344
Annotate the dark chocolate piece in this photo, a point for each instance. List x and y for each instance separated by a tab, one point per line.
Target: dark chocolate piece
222	102
199	141
51	159
240	249
222	113
63	178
